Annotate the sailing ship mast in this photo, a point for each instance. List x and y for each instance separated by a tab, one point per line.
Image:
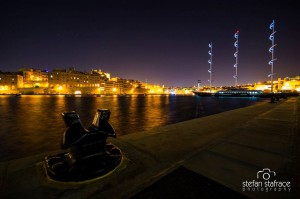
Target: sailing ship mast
271	50
236	45
210	65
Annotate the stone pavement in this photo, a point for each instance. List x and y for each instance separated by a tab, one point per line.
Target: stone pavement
229	148
270	140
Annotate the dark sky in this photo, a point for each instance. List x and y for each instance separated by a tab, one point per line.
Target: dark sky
163	42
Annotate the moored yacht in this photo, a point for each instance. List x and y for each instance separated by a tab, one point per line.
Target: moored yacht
239	93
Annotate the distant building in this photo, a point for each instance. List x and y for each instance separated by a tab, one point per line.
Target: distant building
34	81
264	86
104	76
10	82
70	81
34	77
289	84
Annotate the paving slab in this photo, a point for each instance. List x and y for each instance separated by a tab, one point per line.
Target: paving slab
275	143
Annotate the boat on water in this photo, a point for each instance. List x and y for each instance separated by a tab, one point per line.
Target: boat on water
232	93
204	94
253	93
239	93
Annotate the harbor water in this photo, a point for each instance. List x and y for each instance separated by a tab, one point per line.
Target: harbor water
32	124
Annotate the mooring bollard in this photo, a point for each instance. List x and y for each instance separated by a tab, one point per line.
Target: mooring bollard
88	155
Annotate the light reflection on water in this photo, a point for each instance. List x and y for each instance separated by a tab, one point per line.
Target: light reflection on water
33	124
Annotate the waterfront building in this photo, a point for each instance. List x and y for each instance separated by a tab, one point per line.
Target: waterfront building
10	82
105	76
111	87
266	86
289	84
34	77
70	81
141	88
35	81
120	86
123	86
129	86
155	89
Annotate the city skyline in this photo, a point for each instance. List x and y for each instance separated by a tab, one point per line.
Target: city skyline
162	43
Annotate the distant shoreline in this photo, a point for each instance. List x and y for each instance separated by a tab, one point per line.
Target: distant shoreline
96	95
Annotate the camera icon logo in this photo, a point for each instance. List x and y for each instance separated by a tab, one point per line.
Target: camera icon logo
266	173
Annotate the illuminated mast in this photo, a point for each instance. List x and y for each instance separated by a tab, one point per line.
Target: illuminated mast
236	45
271	50
210	65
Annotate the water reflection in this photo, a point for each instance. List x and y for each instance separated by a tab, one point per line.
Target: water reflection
33	124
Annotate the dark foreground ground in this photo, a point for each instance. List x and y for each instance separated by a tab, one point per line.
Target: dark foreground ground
212	157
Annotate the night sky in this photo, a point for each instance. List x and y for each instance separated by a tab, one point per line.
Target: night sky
161	42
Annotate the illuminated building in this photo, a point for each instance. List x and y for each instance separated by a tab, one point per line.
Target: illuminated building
10	82
111	87
62	81
121	86
70	81
289	84
103	74
155	89
34	81
265	87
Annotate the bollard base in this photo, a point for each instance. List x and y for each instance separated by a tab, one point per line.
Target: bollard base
59	168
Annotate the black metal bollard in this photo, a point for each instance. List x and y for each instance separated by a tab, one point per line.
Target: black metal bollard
88	155
272	99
